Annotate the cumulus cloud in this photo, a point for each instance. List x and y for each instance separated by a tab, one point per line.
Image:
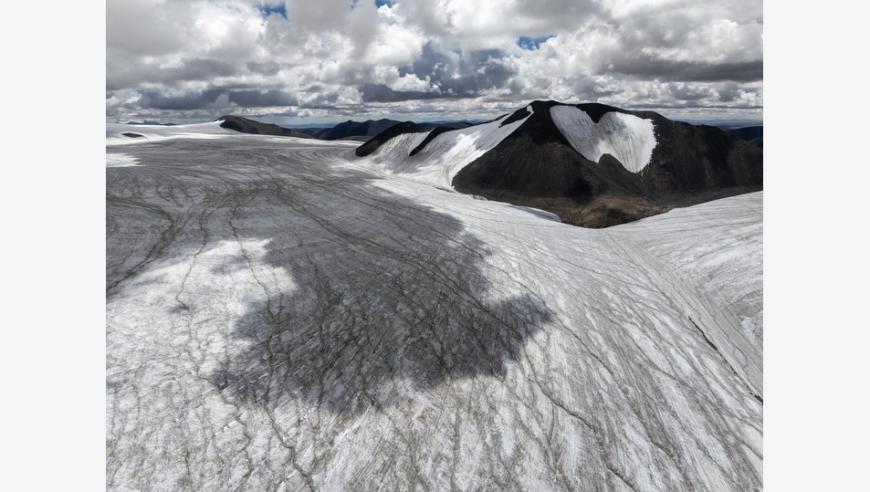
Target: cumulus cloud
196	59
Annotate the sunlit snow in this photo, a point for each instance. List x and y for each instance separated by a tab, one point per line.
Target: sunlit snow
626	137
152	133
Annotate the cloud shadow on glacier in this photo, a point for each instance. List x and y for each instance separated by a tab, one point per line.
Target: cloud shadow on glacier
389	297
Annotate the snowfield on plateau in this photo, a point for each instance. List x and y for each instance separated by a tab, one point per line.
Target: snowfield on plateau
284	316
121	134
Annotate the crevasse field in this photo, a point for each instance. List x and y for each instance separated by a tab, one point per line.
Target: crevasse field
284	316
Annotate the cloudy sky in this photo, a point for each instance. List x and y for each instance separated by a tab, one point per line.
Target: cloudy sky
333	60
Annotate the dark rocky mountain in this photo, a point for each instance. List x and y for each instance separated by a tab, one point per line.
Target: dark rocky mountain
752	134
391	132
149	122
536	165
245	125
349	130
354	129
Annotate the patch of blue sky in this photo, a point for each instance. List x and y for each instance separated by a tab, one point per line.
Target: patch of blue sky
533	43
279	9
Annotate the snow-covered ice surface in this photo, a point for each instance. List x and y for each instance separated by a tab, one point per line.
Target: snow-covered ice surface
443	157
719	260
119	159
626	137
151	133
280	317
196	131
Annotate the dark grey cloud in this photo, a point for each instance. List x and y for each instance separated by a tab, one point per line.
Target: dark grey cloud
245	98
151	99
197	69
689	105
194	69
461	74
261	99
264	68
657	69
382	93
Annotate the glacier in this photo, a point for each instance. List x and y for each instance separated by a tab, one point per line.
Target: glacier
284	316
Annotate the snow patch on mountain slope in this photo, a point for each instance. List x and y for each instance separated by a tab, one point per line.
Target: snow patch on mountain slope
626	137
444	156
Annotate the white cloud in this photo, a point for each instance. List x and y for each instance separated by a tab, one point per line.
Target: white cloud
194	55
396	42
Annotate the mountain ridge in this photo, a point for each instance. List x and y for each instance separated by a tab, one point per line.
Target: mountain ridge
246	125
349	129
664	163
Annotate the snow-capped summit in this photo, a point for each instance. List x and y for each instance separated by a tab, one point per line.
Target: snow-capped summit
594	165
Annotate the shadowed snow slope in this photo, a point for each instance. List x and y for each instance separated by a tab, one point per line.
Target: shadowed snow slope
280	317
624	136
443	156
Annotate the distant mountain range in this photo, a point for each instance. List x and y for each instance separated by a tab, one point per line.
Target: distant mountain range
752	134
363	130
368	128
245	125
355	130
149	122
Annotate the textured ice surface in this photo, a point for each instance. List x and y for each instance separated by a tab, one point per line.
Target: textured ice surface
150	133
282	318
720	259
443	157
119	159
626	137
